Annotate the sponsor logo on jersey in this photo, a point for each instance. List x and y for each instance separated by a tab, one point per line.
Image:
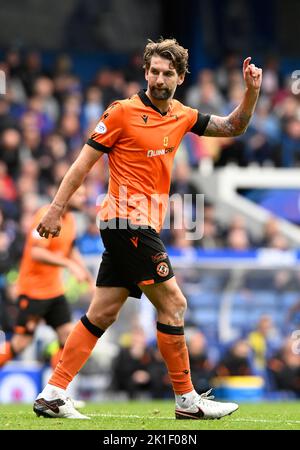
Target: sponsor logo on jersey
159	152
101	128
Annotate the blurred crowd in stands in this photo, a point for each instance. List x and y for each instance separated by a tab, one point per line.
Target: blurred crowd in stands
45	118
138	368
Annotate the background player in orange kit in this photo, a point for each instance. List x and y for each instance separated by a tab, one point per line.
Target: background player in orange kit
40	286
141	136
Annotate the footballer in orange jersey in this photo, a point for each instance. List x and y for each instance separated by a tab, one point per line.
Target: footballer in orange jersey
40	286
141	136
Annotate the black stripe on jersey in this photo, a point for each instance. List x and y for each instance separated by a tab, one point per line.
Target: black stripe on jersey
201	124
98	146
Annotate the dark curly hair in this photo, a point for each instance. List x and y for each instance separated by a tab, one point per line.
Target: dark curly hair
169	49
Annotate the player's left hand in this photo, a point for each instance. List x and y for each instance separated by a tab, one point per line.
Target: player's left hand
252	74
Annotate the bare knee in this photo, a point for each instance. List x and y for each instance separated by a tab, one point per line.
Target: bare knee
105	306
103	318
173	309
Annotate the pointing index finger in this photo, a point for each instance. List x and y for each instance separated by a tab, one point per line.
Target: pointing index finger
246	62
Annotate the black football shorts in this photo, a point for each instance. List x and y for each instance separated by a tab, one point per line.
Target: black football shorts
133	255
55	311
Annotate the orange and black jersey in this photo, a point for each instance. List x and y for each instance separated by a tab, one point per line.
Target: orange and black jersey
39	280
141	143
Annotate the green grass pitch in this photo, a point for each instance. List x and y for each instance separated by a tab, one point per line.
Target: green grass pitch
154	415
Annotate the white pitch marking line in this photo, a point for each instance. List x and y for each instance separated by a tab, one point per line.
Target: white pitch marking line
132	416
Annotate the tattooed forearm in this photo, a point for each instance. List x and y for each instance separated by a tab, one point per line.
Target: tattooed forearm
235	123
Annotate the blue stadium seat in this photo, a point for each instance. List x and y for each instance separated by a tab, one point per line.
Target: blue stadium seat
206	316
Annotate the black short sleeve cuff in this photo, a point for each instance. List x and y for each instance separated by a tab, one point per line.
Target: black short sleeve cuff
98	146
201	124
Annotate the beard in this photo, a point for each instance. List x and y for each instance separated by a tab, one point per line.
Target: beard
160	94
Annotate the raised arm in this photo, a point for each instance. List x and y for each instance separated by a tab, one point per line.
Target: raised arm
237	122
50	223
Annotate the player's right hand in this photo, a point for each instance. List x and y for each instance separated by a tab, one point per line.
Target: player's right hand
49	224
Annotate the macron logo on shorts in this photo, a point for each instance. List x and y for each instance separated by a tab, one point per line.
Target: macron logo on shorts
134	240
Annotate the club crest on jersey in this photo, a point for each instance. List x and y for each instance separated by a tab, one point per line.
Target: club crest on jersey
101	128
162	269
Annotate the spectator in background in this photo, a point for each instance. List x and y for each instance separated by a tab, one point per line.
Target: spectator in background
284	368
63	65
30	70
287	109
6	118
201	367
70	130
272	236
210	239
8	307
66	84
263	341
238	235
205	95
72	104
272	77
89	242
131	368
280	242
34	111
92	107
293	316
212	231
238	240
133	71
8	191
236	361
229	65
270	230
182	185
263	135
110	84
10	143
160	383
291	143
5	253
44	89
